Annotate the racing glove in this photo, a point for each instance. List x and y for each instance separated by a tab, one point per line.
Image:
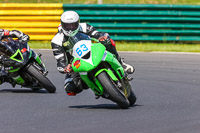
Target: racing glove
24	38
105	39
6	32
68	68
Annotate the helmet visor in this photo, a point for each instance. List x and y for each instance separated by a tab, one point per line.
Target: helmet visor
7	47
5	50
70	26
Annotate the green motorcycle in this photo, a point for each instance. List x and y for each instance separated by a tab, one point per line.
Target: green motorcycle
101	71
23	66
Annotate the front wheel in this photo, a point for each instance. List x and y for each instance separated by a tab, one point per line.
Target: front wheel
113	91
132	98
43	80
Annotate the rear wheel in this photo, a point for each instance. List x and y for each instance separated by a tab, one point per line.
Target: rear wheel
111	88
43	81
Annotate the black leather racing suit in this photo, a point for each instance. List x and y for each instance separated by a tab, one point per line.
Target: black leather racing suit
61	50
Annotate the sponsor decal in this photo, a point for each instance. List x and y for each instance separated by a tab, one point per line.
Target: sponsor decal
23	50
77	64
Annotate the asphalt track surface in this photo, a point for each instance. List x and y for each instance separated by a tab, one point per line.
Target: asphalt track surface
167	87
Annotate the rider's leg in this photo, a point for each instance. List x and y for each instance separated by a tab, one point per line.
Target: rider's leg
111	48
14	79
7	79
73	84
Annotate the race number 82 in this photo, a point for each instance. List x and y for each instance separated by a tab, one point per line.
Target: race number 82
81	49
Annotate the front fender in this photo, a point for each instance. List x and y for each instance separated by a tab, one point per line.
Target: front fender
100	89
96	86
109	72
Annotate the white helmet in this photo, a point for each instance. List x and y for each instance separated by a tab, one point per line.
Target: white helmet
70	23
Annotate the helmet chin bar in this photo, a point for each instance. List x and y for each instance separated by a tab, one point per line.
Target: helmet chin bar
71	33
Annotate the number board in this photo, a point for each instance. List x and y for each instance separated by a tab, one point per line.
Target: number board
81	48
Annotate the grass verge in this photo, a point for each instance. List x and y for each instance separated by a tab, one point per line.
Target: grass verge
142	47
162	47
40	44
188	2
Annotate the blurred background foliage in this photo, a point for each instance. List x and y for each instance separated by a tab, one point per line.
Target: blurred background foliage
186	2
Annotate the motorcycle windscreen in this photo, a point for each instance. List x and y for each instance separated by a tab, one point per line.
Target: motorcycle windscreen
90	58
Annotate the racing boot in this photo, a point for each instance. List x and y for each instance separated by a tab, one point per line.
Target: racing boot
127	68
111	48
6	79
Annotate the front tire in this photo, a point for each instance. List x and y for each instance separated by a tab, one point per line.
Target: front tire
43	81
114	93
132	98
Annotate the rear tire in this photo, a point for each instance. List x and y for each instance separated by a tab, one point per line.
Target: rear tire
114	93
43	81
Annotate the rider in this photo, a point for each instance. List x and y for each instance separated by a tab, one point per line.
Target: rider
69	27
14	34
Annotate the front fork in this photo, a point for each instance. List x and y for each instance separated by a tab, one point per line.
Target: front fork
39	62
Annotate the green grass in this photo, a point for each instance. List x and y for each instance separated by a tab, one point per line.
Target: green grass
151	47
142	47
40	44
187	2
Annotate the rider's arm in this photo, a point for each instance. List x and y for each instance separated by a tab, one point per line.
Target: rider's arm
103	37
18	34
91	31
59	52
15	34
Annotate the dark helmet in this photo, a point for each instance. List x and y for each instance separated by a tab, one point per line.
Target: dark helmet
7	47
